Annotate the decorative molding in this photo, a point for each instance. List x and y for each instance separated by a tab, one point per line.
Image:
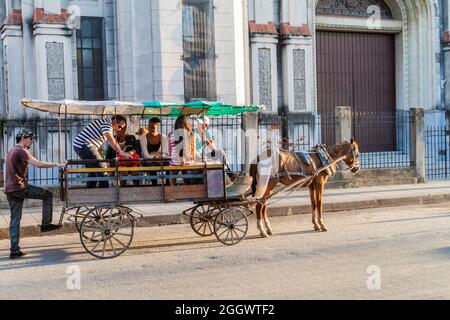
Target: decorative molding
326	22
40	16
359	8
55	70
265	77
51	29
11	30
268	28
14	18
299	57
287	30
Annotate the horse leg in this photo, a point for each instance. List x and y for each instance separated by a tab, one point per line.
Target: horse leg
319	195
259	217
266	220
314	208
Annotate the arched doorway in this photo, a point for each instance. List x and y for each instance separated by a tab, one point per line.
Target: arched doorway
390	67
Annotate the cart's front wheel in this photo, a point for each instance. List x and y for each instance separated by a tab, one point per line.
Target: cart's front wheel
202	220
231	226
106	232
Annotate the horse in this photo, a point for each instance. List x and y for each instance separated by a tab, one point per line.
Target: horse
288	168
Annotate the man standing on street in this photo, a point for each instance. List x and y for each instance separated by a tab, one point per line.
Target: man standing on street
17	189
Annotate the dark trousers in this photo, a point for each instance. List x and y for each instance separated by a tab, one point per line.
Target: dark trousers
16	199
91	153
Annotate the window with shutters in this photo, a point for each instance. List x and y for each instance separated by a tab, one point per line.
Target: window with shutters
199	50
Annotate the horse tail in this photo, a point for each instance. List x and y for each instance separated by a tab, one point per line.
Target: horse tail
254	174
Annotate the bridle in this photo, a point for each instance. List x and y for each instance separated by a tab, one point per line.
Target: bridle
352	153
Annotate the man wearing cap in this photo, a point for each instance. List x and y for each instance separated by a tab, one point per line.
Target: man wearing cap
17	188
204	140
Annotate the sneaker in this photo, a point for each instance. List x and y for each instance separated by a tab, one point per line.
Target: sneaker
17	255
49	228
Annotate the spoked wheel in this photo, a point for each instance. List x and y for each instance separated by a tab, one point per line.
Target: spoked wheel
202	220
231	226
107	231
78	216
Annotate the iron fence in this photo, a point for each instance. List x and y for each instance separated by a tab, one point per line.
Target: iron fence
383	139
296	132
437	158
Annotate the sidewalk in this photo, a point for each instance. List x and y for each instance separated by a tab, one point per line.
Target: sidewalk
298	202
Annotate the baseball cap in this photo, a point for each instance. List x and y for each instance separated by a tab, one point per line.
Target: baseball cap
203	120
26	133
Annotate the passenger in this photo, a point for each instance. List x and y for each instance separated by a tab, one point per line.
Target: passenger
126	142
132	152
155	147
89	141
205	147
182	145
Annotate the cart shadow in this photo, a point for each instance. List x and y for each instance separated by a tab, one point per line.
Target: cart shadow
210	241
46	255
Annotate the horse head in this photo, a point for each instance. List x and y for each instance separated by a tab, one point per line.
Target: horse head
352	156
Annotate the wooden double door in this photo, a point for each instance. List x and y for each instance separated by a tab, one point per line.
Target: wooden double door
358	70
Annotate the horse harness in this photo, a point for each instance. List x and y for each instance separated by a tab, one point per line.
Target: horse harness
324	158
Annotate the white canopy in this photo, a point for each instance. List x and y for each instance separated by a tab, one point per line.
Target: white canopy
98	108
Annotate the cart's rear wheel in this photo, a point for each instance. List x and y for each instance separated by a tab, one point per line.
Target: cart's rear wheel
231	226
202	219
106	232
80	213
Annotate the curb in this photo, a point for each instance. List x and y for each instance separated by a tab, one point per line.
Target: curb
171	219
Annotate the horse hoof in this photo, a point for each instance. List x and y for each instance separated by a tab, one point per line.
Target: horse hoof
269	232
324	229
264	235
317	229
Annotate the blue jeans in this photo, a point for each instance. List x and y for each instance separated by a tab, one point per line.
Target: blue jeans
150	163
15	200
91	153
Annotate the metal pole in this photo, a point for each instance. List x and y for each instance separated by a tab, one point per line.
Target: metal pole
59	138
66	133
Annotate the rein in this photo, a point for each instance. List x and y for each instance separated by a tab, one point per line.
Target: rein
301	181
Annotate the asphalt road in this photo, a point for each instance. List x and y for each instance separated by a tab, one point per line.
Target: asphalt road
394	253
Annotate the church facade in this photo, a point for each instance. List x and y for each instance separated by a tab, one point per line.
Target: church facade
300	58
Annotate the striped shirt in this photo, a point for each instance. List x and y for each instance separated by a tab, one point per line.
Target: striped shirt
92	135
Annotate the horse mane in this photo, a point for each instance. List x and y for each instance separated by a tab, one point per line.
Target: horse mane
335	149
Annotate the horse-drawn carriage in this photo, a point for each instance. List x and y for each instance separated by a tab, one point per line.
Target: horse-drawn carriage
105	222
103	216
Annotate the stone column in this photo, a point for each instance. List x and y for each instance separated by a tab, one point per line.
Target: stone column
11	33
53	55
417	142
263	43
264	71
343	124
297	57
297	73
